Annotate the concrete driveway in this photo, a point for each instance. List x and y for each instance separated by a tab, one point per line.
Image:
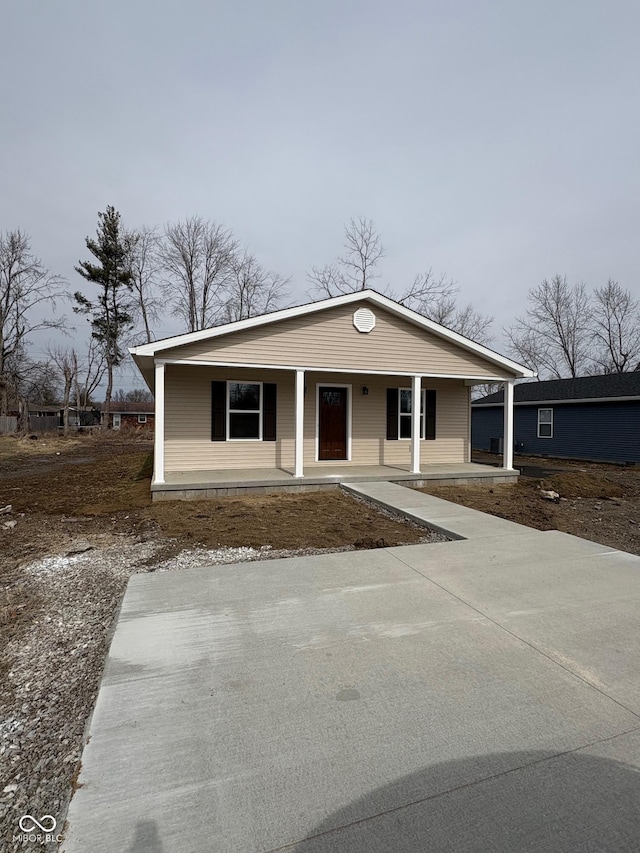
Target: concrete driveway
474	695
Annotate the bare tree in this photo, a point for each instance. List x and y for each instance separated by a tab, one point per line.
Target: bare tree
136	395
195	257
470	323
143	246
66	363
28	293
251	289
553	336
356	268
88	372
615	326
430	295
435	299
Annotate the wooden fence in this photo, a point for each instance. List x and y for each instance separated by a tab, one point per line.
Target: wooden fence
8	424
44	424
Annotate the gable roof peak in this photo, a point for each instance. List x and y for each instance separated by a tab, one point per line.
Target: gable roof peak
368	295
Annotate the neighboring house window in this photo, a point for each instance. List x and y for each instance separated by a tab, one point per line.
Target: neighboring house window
243	411
142	419
399	414
545	423
116	421
404	413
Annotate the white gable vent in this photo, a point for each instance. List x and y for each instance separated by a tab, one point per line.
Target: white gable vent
364	320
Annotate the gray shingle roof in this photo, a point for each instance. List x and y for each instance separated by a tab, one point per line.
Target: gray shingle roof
582	388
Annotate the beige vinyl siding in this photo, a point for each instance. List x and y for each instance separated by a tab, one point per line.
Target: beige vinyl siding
329	339
369	421
188	445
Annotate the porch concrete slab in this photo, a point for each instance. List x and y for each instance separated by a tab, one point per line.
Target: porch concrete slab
211	483
327	703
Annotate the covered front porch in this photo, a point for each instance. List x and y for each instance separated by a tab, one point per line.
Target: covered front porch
197	485
379	435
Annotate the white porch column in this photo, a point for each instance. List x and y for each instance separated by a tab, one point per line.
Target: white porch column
158	447
507	440
416	404
299	439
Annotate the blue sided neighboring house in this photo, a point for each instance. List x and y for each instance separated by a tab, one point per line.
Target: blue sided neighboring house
592	418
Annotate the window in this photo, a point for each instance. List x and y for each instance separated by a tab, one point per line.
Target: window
404	413
243	411
142	419
116	421
399	414
244	407
545	423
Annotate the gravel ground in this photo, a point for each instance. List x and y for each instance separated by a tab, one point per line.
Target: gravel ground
55	665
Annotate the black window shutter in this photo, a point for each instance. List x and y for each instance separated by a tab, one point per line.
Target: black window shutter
269	411
430	416
392	414
218	411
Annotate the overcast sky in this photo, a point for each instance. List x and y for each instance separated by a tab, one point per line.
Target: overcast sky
495	141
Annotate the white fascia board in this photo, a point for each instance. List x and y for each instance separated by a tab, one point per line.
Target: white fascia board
313	369
241	325
454	337
359	296
564	402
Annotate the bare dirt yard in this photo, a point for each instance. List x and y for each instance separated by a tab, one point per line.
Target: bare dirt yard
595	501
76	520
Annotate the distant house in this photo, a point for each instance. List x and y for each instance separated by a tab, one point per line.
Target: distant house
592	417
138	416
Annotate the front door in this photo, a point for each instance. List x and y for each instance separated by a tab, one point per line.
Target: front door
332	422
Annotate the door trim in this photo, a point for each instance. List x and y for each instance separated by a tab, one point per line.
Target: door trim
330	384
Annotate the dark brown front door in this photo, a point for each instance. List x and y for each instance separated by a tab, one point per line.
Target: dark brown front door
332	422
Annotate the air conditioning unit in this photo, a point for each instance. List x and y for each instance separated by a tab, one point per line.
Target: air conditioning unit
495	445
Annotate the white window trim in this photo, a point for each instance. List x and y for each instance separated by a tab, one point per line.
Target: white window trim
545	409
320	385
117	421
231	411
423	415
142	419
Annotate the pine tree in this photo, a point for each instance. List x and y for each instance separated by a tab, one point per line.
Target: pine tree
111	312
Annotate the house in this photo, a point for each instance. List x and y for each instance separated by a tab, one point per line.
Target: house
139	416
591	417
322	390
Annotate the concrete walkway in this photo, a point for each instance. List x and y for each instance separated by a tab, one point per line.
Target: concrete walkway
458	522
481	694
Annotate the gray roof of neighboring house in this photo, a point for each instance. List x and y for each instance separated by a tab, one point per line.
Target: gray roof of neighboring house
41	407
567	390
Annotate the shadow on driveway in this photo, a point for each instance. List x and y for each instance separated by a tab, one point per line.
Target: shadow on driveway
572	803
